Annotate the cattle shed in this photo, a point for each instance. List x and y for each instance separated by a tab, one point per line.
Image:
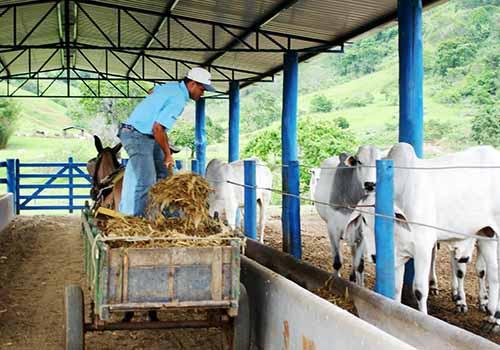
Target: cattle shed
148	42
240	42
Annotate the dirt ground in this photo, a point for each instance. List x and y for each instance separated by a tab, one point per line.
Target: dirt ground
39	255
316	250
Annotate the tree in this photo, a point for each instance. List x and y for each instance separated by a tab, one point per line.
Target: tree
318	140
486	127
342	122
9	113
182	134
114	110
215	133
453	53
320	103
261	110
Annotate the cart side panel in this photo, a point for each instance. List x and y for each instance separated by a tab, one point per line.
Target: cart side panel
193	283
147	284
171	275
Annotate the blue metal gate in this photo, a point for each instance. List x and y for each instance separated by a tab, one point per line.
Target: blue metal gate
59	186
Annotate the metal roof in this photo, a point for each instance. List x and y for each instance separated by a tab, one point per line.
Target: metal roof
152	40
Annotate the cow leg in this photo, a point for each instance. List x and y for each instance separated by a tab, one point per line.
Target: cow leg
433	285
454	279
231	215
489	252
423	257
399	278
262	219
459	293
358	264
335	244
483	290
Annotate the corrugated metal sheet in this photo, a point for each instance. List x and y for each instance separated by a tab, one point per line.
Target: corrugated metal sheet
326	20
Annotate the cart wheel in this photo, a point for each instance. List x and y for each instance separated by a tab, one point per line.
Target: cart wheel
73	305
242	322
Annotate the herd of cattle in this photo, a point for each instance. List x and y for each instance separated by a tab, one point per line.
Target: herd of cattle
459	193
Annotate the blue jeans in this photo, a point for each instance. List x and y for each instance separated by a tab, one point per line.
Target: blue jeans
144	168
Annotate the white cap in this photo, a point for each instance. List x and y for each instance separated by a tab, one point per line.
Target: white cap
201	75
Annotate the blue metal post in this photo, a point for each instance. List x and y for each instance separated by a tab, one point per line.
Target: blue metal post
288	137
11	176
411	74
178	164
234	121
250	200
70	183
11	181
200	136
384	229
195	166
294	207
17	182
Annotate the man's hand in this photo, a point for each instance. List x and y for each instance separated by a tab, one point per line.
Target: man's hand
169	161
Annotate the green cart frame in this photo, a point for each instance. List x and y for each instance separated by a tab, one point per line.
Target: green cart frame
158	279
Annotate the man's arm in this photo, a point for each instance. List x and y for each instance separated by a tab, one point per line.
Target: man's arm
162	138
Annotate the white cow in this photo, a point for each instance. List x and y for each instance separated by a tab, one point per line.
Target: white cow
228	198
463	200
313	182
342	182
360	227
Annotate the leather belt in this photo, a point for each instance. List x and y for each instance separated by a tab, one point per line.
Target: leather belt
131	128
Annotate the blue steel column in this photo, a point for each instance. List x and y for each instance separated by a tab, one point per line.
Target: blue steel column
411	74
234	121
288	140
384	229
178	164
250	199
195	166
294	207
200	136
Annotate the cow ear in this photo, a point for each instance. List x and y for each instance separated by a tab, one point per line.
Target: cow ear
401	219
117	148
98	144
351	161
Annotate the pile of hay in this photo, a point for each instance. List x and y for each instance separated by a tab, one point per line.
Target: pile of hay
136	232
184	194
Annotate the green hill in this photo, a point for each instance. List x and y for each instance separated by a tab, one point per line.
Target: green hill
461	59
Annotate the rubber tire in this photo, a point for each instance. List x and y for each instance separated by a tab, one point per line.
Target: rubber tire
74	322
242	322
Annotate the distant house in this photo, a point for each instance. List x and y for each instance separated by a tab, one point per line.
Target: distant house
66	129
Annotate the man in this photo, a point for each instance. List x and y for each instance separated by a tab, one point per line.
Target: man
144	136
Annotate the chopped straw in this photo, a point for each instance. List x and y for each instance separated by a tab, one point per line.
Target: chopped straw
184	198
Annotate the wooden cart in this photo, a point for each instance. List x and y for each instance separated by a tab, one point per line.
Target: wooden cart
175	279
